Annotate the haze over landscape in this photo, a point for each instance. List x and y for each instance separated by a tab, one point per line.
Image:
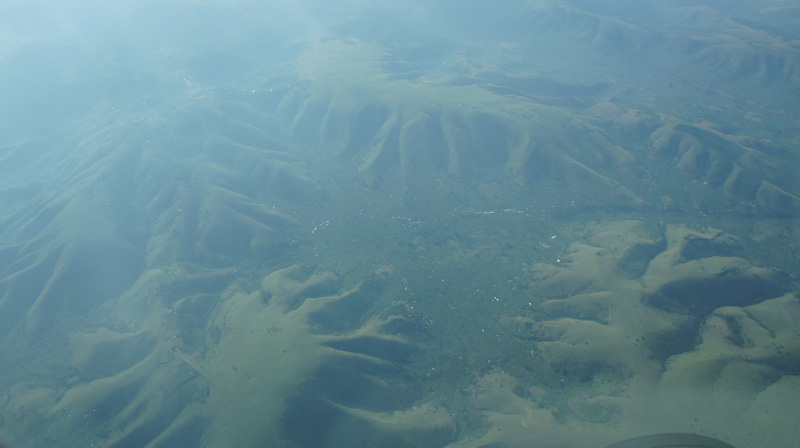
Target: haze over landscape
360	223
